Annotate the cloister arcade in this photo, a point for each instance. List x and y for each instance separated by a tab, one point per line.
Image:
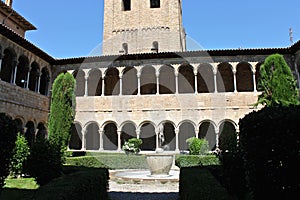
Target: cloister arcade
19	71
110	136
168	79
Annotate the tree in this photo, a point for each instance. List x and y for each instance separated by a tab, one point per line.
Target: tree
62	110
8	135
20	155
277	83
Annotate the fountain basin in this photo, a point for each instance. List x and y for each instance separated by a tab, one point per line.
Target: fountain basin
160	164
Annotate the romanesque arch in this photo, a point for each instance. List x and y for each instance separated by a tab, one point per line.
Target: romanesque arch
41	131
34	77
92	137
110	137
205	79
75	142
22	71
19	124
129	81
95	82
244	77
148	80
186	79
112	82
7	66
225	81
128	131
227	135
186	131
168	130
80	82
167	80
208	132
30	133
44	81
148	135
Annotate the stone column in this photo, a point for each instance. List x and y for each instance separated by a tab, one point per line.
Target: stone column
157	83
215	81
86	77
196	80
83	132
177	139
27	81
138	132
15	73
119	140
38	83
103	87
157	132
254	81
121	84
217	137
101	139
234	81
139	82
176	82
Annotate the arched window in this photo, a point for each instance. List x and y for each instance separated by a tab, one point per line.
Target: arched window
169	143
128	131
186	79
42	131
92	137
207	131
30	133
227	136
167	80
186	131
34	77
80	82
154	3
95	83
126	5
130	81
124	49
225	78
76	137
244	78
22	72
112	82
205	77
44	82
148	80
148	136
154	48
110	137
7	65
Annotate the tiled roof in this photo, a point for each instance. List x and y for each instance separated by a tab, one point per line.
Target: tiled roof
17	17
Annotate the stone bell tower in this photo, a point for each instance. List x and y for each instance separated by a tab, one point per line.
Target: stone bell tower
142	26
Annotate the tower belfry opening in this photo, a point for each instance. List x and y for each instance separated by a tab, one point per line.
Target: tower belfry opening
9	2
143	25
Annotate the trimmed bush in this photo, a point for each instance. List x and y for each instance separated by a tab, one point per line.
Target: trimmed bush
270	144
196	160
8	135
85	161
45	162
199	183
20	155
88	184
197	146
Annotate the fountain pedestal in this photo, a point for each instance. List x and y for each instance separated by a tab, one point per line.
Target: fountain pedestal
160	163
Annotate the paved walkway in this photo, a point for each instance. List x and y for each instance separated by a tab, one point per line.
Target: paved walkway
120	190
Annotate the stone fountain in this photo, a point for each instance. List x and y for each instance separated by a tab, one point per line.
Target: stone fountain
160	162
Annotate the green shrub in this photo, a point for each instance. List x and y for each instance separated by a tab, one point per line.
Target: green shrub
20	155
196	160
197	146
45	162
8	135
133	145
88	184
85	161
199	183
270	146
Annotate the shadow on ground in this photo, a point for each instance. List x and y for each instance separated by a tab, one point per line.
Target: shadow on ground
143	196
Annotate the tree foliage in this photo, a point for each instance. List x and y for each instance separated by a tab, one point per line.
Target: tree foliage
8	135
277	83
62	110
20	155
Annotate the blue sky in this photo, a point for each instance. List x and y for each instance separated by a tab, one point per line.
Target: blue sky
73	28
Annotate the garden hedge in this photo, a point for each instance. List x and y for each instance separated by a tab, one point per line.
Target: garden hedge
270	145
196	160
199	183
88	184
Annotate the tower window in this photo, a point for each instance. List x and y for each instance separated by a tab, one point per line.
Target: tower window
126	5
154	48
124	49
154	3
